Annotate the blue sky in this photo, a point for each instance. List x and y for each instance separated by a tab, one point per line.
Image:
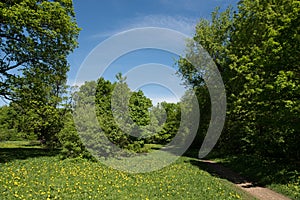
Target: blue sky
100	19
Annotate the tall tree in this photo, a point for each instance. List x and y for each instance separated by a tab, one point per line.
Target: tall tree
265	72
211	36
40	99
36	38
257	52
139	108
34	34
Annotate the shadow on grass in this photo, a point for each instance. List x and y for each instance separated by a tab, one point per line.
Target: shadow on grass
32	144
242	168
10	154
220	171
265	171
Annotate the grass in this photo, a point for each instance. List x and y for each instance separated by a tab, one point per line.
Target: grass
40	174
278	175
20	144
21	150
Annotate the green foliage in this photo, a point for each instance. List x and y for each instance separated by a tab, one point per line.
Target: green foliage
171	124
12	145
105	108
39	103
205	113
123	115
36	38
7	125
109	116
263	61
34	34
214	37
71	144
105	123
12	126
257	52
139	108
85	118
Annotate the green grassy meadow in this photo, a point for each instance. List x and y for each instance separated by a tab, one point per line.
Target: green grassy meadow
36	173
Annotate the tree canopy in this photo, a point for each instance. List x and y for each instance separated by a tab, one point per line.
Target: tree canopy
34	34
36	38
256	50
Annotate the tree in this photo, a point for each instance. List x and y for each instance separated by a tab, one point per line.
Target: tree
8	124
214	37
264	62
102	121
84	130
71	143
34	34
123	115
257	53
39	99
211	36
171	121
139	108
36	38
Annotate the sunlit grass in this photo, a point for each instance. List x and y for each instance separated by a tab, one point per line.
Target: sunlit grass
51	178
20	144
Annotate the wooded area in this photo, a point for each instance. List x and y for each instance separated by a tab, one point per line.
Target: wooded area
255	47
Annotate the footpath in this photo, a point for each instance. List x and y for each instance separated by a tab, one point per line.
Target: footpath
254	190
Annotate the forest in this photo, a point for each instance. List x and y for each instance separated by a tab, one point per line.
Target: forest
256	49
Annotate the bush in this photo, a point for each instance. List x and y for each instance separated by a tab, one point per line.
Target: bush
71	144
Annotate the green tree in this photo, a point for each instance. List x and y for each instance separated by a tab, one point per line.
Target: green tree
105	111
83	132
264	63
34	34
139	108
71	143
40	101
257	53
36	38
212	37
8	124
123	115
171	124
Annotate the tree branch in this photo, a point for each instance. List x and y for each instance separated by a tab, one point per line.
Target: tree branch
5	69
10	37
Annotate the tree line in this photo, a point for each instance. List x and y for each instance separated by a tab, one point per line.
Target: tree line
255	47
142	124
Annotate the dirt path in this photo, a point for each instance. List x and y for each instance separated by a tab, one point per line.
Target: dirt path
256	191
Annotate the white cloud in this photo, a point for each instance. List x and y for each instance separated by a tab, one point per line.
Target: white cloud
182	24
73	82
99	59
168	99
179	23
